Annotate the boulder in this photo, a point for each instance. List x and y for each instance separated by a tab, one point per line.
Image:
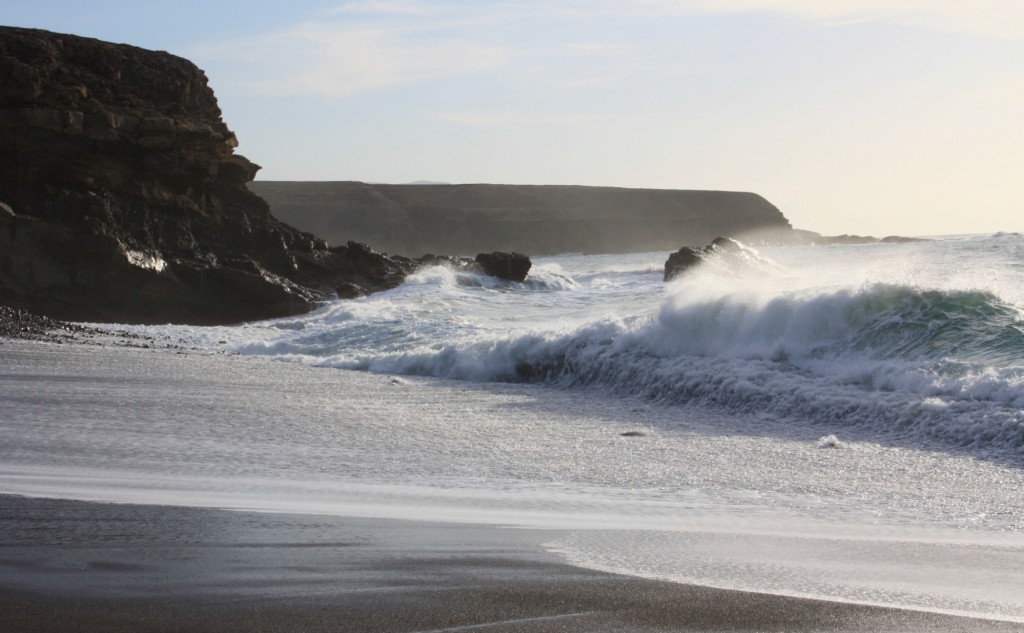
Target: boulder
123	199
739	256
682	260
509	266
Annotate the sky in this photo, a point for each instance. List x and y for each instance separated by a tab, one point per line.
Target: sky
870	117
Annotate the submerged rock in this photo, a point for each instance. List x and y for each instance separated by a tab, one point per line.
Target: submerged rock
121	197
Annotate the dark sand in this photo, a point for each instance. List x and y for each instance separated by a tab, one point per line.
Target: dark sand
76	566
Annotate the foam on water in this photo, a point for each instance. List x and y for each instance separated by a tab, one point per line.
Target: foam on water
921	343
843	422
965	578
838	422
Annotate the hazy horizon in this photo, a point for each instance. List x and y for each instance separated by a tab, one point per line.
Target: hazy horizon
853	116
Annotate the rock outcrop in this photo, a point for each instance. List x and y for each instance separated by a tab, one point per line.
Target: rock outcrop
540	220
681	261
868	239
800	237
507	266
728	255
689	257
121	197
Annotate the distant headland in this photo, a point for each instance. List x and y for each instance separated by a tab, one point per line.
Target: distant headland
415	219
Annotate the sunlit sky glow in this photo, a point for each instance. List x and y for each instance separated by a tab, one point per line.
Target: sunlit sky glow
852	116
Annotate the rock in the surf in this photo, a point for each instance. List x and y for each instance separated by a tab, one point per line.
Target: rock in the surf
682	260
725	256
688	257
509	266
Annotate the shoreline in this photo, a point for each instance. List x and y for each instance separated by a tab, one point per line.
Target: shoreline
154	564
72	565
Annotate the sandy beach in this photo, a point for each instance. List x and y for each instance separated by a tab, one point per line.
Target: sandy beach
156	564
76	566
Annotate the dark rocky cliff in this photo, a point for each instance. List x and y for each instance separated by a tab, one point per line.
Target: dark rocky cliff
539	220
121	198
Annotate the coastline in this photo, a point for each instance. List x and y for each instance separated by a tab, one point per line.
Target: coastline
72	566
826	440
160	563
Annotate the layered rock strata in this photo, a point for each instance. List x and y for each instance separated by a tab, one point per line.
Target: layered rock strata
121	197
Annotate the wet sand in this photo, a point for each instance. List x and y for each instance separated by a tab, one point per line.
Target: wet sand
79	566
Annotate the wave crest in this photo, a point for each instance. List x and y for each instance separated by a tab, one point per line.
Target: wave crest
894	360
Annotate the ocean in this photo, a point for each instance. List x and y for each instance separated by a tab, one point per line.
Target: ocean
918	345
837	421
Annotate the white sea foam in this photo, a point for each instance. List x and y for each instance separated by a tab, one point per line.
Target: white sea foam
965	577
905	354
808	358
506	403
923	343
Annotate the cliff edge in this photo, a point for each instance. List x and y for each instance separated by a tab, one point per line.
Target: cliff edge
535	219
121	197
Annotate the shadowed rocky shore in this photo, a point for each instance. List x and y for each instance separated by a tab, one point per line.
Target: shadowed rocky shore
18	324
121	197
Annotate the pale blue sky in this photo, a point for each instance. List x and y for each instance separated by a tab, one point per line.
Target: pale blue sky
853	116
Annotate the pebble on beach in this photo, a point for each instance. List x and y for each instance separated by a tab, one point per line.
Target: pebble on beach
19	324
25	325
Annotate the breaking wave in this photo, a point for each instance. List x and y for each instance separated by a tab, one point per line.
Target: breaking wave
893	360
923	342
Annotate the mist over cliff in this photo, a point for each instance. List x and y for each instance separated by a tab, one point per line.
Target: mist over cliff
536	219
